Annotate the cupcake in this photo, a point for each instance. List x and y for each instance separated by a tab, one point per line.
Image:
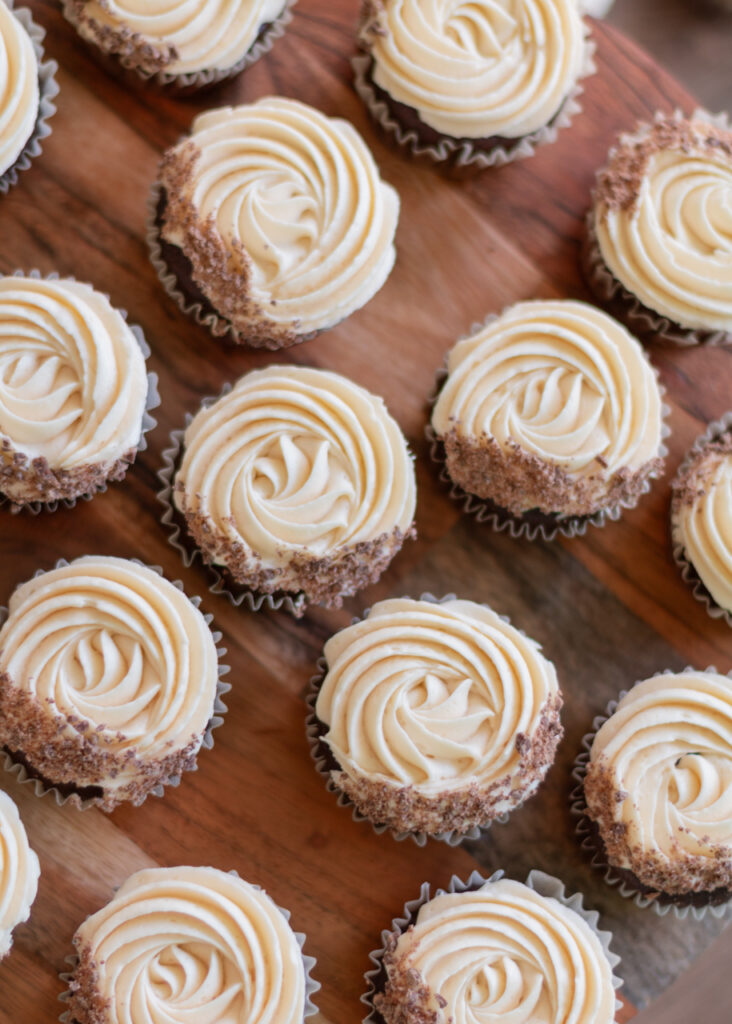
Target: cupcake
296	481
436	718
658	790
480	84
189	943
553	415
108	680
19	873
659	244
190	44
73	390
270	222
498	951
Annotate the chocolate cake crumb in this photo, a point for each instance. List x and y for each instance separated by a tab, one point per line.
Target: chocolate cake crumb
87	1005
122	41
694	478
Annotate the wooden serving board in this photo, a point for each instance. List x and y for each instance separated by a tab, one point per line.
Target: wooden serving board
609	608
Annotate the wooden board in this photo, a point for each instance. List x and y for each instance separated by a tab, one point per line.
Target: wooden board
608	608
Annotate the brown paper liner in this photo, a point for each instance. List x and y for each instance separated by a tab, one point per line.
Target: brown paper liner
541	883
82	799
591	842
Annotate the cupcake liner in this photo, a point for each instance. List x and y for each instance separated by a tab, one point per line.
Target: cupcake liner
47	90
462	153
541	883
180	538
152	401
41	788
591	842
612	294
688	572
190	82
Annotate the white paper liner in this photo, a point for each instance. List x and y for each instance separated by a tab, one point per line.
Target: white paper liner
461	153
41	788
193	81
541	883
48	90
611	293
688	572
592	844
152	401
528	527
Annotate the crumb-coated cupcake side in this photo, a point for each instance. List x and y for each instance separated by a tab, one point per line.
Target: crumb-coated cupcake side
19	873
20	98
108	679
440	716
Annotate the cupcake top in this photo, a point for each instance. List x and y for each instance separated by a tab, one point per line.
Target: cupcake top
107	677
176	37
659	783
476	70
19	97
500	953
563	392
663	223
19	872
701	516
282	214
188	943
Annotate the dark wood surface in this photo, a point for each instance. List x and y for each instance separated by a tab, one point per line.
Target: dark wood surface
609	608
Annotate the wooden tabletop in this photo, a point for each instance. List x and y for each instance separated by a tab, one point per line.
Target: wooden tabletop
609	608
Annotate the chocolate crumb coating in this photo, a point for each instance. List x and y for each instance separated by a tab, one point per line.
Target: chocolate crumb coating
87	1005
692	480
131	46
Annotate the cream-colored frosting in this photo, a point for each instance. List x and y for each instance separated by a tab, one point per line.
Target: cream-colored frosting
302	194
433	696
19	93
508	955
188	944
672	247
112	643
297	460
480	69
19	872
560	379
73	382
668	748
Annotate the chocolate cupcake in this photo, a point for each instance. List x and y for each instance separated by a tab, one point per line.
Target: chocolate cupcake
552	415
296	481
658	250
19	873
480	85
435	719
74	390
270	222
108	681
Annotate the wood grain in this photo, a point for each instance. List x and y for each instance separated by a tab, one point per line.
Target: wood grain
608	608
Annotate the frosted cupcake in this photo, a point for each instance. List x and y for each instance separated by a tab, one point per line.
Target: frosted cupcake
19	873
271	223
439	718
108	679
553	414
297	481
659	243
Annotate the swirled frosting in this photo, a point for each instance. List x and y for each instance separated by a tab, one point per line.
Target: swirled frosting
477	70
558	383
502	953
659	782
107	676
184	35
184	944
294	466
19	93
663	220
283	215
19	872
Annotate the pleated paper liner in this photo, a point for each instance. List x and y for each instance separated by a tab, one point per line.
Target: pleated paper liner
152	401
688	572
85	797
591	843
47	91
541	883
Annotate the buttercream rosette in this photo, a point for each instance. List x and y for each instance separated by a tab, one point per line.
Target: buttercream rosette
19	873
